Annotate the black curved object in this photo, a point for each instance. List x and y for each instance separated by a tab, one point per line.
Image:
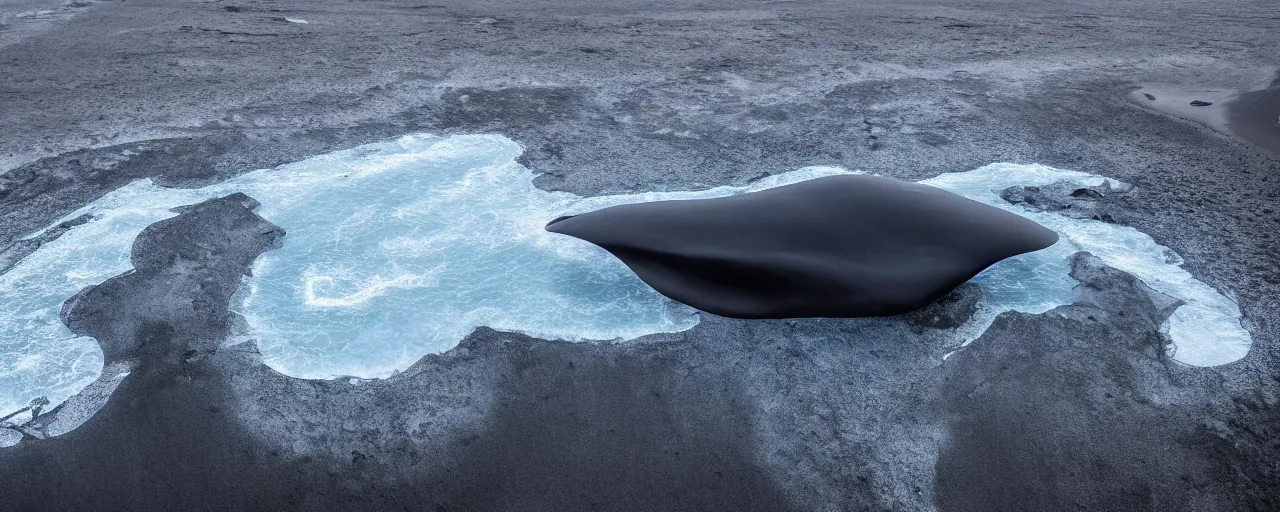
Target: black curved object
838	246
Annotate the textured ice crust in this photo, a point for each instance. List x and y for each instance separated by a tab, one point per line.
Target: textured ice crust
399	249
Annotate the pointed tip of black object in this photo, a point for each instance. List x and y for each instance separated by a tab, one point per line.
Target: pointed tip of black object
555	220
838	246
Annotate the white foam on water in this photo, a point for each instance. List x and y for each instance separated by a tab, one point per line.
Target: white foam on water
399	249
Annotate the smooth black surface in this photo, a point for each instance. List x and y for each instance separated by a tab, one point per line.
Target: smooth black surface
839	246
1255	116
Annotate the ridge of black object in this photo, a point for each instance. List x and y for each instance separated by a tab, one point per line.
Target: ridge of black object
838	246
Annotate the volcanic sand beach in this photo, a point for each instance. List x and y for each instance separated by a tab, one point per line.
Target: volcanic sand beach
1076	408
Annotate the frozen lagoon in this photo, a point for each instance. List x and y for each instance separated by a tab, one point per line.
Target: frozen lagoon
399	249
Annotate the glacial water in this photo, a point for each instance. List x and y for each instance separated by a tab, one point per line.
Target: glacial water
399	249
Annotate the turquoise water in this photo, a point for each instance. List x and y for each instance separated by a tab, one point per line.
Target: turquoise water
399	249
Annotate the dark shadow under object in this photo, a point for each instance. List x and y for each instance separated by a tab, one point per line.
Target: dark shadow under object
838	246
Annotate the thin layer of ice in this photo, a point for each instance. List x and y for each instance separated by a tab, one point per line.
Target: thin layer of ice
399	249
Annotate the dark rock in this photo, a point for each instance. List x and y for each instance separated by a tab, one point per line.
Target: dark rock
1108	289
1015	403
19	249
1067	198
950	311
1149	96
840	246
187	267
1198	103
1086	192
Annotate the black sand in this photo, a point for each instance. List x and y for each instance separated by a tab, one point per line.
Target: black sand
1074	409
